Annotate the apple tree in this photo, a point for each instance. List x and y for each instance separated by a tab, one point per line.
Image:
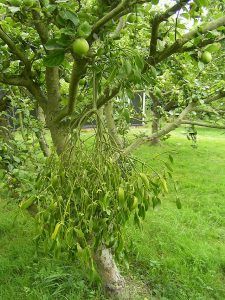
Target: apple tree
73	58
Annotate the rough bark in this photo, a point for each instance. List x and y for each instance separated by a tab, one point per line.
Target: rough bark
113	282
59	135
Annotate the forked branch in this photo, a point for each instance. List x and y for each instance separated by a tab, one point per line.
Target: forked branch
15	49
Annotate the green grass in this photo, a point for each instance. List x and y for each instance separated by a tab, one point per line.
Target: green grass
179	254
24	275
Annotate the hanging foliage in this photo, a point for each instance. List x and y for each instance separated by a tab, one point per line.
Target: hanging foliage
87	195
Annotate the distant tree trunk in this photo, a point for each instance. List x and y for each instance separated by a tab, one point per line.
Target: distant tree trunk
110	123
40	134
155	123
155	117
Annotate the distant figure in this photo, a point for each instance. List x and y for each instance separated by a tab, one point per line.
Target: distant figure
192	135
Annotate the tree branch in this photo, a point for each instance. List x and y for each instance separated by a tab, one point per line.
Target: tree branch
178	44
119	27
220	94
176	123
41	27
172	10
201	44
15	50
38	95
207	111
110	15
40	134
79	68
202	124
155	99
32	87
158	19
111	125
51	74
108	95
52	85
16	80
154	35
88	110
165	130
172	104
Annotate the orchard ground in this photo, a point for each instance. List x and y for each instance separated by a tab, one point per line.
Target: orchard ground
179	254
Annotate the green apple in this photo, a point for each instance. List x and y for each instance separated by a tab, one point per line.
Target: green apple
80	47
206	57
131	18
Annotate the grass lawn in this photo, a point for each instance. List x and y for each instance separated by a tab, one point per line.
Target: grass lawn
179	254
182	252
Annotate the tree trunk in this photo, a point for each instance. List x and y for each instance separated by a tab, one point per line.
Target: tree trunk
155	125
43	143
59	132
113	282
40	134
110	123
155	117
